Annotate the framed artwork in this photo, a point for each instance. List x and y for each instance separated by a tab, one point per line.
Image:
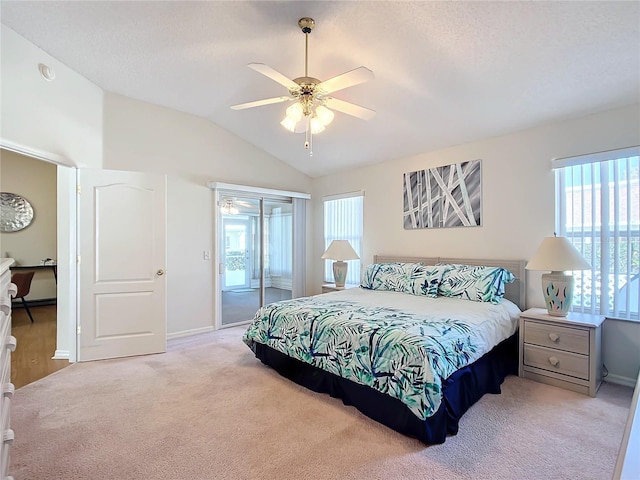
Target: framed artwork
443	197
16	213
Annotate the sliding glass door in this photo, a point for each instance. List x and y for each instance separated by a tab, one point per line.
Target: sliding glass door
278	247
256	253
236	233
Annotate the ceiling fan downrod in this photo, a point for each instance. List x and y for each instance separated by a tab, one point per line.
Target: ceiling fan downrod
306	24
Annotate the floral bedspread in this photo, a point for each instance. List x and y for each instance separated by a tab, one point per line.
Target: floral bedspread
404	355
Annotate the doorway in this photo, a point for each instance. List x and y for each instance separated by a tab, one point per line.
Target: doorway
256	255
260	249
35	250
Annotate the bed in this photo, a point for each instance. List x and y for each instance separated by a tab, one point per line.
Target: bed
412	350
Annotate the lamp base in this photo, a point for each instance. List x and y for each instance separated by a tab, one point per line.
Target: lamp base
340	272
557	288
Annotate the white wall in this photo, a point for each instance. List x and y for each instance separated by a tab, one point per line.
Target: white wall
191	151
518	205
63	117
62	122
35	181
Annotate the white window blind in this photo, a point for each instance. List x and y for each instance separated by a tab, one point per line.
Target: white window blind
280	243
598	210
343	221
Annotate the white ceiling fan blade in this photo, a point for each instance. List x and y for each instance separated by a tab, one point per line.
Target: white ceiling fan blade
350	108
267	71
348	79
259	103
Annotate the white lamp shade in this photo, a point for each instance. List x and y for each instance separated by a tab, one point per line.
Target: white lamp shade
324	115
316	125
289	124
557	254
340	250
294	112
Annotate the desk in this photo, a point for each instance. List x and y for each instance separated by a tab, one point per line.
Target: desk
53	267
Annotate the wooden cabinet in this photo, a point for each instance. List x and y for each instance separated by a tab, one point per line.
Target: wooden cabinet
8	345
561	351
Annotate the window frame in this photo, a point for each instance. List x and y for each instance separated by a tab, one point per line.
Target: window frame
603	234
355	238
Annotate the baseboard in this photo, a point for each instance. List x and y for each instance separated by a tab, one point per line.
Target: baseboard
619	380
61	355
188	333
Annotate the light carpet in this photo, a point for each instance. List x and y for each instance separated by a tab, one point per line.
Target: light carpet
208	409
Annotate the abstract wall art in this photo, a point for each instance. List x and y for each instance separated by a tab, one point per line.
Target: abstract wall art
445	196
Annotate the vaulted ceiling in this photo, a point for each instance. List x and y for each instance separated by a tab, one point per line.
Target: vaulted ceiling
446	73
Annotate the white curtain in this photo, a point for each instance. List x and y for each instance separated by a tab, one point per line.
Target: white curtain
343	219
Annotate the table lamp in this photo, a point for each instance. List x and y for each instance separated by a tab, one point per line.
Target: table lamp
340	250
558	255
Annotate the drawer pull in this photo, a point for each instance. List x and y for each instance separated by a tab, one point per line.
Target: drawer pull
13	290
554	361
12	343
5	305
8	437
8	390
554	337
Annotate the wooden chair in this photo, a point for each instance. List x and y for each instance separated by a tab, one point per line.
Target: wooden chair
23	282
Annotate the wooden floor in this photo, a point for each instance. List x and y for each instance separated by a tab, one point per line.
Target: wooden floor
36	345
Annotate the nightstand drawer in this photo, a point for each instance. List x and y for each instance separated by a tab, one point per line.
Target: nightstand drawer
565	363
562	338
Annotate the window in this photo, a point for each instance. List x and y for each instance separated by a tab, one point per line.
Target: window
343	221
598	210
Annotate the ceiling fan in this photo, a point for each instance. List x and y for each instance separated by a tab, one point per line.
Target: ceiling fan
311	111
229	205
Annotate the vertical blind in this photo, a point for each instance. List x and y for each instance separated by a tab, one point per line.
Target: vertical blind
280	243
343	221
598	210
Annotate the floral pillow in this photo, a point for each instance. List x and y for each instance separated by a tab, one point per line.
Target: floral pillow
425	280
477	283
394	277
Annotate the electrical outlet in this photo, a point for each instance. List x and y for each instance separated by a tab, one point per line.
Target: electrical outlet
206	255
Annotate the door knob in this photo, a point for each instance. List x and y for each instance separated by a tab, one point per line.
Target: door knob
160	272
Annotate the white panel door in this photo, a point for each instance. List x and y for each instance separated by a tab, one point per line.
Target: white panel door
122	287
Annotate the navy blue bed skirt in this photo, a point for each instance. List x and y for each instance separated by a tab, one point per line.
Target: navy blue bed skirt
461	390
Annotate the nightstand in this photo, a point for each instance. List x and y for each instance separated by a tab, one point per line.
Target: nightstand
331	287
561	351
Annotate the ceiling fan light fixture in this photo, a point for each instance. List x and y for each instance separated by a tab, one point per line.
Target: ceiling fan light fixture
324	115
294	112
228	208
289	123
315	125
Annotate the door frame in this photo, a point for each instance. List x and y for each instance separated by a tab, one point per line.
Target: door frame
67	241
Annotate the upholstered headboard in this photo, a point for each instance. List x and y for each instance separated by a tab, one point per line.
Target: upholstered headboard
516	291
